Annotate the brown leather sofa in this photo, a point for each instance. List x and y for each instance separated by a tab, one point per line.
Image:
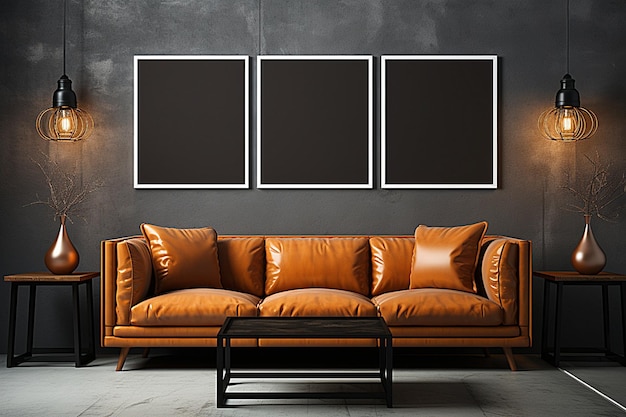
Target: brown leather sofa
397	277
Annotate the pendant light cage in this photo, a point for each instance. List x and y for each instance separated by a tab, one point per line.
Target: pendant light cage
64	124
567	121
64	121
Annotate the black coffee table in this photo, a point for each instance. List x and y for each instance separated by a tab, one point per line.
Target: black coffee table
304	328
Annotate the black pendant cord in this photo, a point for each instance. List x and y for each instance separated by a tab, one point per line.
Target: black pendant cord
567	37
64	25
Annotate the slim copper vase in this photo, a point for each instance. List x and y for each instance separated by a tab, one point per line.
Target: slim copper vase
588	258
62	257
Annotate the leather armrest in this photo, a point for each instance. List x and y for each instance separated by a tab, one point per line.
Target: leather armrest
505	277
134	276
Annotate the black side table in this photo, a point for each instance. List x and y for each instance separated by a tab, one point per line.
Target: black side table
33	280
560	279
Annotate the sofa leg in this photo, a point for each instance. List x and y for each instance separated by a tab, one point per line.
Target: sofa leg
508	352
145	353
123	355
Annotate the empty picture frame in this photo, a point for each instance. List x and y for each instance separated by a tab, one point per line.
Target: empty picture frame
191	121
314	122
439	121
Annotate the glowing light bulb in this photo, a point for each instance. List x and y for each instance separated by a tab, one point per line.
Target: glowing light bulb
65	123
567	122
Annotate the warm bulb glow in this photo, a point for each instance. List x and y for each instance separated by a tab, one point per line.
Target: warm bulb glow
64	124
568	123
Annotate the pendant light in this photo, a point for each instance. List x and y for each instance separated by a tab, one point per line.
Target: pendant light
64	121
567	121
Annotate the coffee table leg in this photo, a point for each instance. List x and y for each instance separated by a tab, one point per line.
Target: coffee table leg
389	350
623	302
227	361
220	372
386	368
382	356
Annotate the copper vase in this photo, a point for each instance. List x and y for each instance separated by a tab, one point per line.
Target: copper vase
62	257
588	258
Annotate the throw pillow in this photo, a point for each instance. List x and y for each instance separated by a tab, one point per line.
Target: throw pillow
183	258
446	257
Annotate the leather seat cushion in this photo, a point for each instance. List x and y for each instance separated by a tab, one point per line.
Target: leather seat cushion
193	307
437	307
316	302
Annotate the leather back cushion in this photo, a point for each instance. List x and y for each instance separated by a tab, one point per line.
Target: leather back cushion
391	263
183	258
446	257
323	262
134	276
242	264
499	276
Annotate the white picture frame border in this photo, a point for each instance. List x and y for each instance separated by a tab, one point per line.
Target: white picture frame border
246	183
370	163
383	139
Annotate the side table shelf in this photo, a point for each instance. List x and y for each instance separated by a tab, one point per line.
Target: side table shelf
560	279
80	356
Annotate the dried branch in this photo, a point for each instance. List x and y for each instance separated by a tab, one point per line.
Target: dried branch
66	190
597	192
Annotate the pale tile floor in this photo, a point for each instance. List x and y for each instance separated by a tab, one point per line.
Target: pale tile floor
183	385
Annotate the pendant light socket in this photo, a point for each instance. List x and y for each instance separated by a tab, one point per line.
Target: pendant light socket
567	96
64	95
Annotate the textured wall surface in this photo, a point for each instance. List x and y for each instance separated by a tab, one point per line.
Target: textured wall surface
103	36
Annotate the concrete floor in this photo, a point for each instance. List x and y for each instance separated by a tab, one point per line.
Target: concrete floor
183	384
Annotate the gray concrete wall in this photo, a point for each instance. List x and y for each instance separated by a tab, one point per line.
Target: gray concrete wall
103	36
